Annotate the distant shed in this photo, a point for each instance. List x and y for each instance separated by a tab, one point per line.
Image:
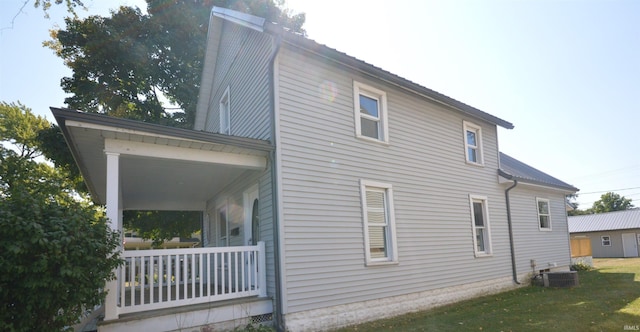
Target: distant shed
612	234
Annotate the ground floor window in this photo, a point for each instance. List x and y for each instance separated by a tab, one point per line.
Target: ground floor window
480	225
378	222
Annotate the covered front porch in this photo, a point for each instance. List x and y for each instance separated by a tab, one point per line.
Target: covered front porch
129	165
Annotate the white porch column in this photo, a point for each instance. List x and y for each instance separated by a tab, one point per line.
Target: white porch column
114	216
262	269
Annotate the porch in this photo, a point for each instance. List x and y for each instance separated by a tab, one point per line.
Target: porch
129	165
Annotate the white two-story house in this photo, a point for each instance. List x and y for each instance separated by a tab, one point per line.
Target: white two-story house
332	192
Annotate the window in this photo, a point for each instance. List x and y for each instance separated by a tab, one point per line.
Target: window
480	225
222	219
370	105
379	224
544	214
473	143
225	113
606	241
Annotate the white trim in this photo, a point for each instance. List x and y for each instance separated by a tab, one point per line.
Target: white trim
224	110
472	127
179	153
381	97
538	199
602	240
487	225
391	242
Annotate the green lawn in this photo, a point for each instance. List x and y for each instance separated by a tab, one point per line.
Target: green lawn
608	299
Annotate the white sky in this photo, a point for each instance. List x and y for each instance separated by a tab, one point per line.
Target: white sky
565	73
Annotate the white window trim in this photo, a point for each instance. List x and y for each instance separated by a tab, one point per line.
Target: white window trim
222	205
225	117
392	253
469	126
381	96
602	240
485	206
538	199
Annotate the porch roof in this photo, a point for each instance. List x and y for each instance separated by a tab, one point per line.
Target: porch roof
161	168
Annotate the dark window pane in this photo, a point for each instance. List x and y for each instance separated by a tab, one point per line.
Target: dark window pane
369	128
368	106
478	214
471	138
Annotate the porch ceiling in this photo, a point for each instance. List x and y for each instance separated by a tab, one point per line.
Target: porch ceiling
158	170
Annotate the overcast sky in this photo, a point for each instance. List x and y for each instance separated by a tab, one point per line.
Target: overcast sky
565	73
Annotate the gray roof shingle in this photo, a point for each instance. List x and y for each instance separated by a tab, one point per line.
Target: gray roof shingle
627	219
513	168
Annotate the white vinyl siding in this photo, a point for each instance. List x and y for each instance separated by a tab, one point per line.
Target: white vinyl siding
225	113
378	222
370	112
243	65
546	248
480	225
544	214
473	143
321	165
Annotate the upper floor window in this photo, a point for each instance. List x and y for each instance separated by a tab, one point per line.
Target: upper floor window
379	223
544	214
480	225
473	143
370	106
225	113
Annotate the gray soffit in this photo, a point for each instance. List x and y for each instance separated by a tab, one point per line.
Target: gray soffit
63	115
617	220
512	168
247	20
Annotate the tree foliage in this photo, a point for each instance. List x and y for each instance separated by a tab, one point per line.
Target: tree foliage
174	224
56	250
125	64
611	202
46	5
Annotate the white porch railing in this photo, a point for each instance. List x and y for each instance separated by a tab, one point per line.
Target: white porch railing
156	279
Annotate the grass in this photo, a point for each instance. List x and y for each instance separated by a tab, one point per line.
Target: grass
608	299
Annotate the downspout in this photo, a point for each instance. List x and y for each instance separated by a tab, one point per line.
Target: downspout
274	186
510	223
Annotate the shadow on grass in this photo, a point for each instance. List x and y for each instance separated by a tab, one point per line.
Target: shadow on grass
607	299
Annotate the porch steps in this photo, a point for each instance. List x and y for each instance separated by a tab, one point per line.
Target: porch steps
222	315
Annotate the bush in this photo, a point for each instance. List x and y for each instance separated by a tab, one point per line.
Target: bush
581	267
55	249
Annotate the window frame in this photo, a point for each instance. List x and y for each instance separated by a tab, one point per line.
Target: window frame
225	113
602	240
548	215
390	228
379	95
472	127
222	240
486	230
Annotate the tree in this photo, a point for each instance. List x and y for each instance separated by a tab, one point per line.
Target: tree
611	202
56	250
123	65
